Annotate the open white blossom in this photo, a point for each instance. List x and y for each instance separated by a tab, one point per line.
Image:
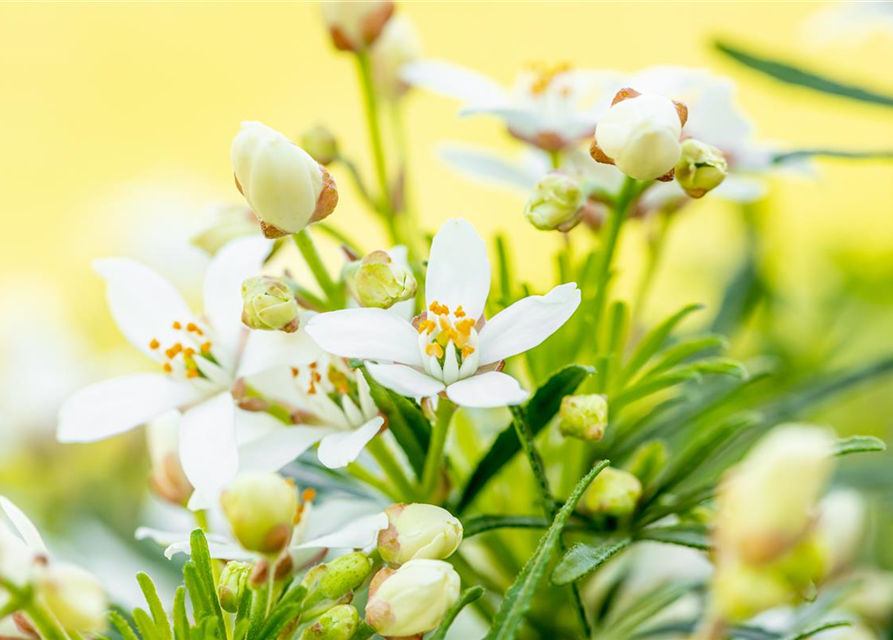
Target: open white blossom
200	356
451	348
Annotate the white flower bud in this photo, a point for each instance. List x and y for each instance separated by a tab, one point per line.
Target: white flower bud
261	509
418	531
640	135
269	304
701	168
556	203
413	599
378	281
767	502
614	492
229	223
75	597
872	598
398	45
286	188
168	480
584	417
354	26
841	527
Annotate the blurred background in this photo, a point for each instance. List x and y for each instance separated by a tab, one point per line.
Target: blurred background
116	121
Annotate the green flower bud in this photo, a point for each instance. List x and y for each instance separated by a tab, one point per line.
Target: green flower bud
338	623
269	304
229	223
377	281
584	417
613	492
320	143
648	460
261	508
413	599
418	531
75	597
333	583
701	168
231	585
556	203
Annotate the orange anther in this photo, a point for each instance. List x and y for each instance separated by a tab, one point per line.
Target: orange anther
177	325
435	350
194	328
206	347
467	351
460	312
294	372
188	352
192	373
154	344
174	350
308	495
313	365
167	367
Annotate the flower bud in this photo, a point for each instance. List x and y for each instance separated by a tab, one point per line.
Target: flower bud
333	583
168	480
648	461
75	597
701	168
269	304
398	45
354	26
338	623
584	417
741	591
321	144
556	203
261	508
872	598
229	223
378	281
640	135
286	188
418	531
614	492
413	599
231	585
767	502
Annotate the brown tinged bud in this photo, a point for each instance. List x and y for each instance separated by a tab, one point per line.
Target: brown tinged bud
261	508
355	26
418	531
701	168
583	416
269	304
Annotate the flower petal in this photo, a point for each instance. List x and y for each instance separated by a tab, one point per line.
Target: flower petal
271	452
233	264
267	349
340	449
458	269
24	526
370	334
454	81
143	304
527	323
208	449
491	389
359	534
178	542
485	166
405	380
114	406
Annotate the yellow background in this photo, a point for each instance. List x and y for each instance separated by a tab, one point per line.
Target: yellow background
113	114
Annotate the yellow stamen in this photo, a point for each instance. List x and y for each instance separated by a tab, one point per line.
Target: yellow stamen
308	495
460	312
194	328
173	351
154	344
192	373
206	347
188	352
427	325
294	372
177	325
435	350
467	351
167	367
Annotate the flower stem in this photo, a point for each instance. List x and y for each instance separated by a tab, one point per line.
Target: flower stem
305	245
44	621
434	460
655	251
363	474
378	448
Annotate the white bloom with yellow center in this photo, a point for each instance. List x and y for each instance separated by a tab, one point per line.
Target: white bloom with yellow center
451	349
200	359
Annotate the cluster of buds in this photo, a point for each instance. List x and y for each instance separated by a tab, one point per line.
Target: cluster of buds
269	304
378	281
412	596
283	184
556	203
767	549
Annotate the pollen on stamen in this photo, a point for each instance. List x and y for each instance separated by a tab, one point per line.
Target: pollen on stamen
194	328
460	312
467	351
174	350
434	349
206	347
188	352
294	372
177	325
192	373
308	495
154	344
427	325
167	367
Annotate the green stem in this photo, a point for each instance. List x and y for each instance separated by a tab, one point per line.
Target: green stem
333	291
555	158
434	460
363	474
379	450
409	213
44	621
201	520
655	251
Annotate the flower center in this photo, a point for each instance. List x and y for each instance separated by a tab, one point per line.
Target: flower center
545	74
448	342
179	358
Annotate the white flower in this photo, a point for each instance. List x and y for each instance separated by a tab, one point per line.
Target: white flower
550	107
452	349
398	45
200	357
21	546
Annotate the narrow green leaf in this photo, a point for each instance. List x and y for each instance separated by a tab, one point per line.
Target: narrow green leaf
504	271
122	626
474	525
279	621
363	632
685	535
583	559
541	408
406	421
685	349
654	340
815	630
622	623
517	599
159	616
468	596
789	74
858	444
201	556
145	625
201	608
181	621
799	154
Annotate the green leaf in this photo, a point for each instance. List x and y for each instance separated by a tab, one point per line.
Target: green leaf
789	74
858	444
540	410
406	421
468	596
685	349
654	340
121	625
504	271
159	616
198	551
685	535
474	525
624	622
799	154
363	632
181	622
279	620
583	559
815	630
517	599
201	608
145	625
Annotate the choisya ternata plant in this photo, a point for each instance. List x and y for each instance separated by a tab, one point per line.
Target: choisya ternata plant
443	405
